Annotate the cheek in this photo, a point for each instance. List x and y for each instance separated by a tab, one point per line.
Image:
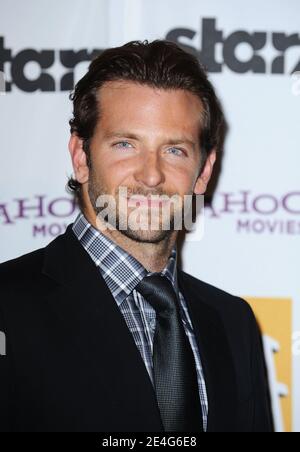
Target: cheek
182	179
115	173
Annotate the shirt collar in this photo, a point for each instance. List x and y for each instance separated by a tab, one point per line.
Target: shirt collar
120	270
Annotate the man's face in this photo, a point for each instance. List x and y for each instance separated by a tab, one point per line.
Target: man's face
146	140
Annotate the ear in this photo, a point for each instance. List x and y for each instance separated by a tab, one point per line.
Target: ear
204	178
79	160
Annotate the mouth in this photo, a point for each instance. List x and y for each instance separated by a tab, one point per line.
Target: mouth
146	202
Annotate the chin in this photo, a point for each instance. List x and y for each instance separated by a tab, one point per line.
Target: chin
146	236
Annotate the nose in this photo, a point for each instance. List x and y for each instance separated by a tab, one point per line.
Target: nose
149	171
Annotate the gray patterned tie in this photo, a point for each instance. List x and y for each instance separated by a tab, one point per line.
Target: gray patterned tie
174	368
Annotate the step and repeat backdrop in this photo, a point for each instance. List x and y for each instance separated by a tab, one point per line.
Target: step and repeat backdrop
251	242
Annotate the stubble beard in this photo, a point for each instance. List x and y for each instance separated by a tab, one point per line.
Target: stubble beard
149	235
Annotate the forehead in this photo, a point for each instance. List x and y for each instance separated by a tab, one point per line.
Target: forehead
129	104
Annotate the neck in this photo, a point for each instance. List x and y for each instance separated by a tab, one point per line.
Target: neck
153	256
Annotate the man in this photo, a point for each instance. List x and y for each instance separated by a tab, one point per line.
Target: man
103	331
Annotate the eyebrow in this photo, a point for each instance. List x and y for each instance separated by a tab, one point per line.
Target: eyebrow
173	141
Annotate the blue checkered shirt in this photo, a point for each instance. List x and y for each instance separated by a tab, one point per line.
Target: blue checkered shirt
122	273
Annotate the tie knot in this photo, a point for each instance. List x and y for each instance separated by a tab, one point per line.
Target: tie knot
159	292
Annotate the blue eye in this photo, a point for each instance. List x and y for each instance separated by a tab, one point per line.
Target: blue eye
176	149
119	145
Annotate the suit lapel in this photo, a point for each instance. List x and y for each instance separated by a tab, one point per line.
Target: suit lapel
215	355
93	322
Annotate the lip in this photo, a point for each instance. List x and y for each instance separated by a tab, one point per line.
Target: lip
146	202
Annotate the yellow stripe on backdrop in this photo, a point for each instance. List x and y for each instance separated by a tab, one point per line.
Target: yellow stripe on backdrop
274	316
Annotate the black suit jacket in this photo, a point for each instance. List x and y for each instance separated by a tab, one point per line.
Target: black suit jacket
71	363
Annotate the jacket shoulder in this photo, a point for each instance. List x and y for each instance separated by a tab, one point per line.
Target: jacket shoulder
224	302
21	267
30	264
